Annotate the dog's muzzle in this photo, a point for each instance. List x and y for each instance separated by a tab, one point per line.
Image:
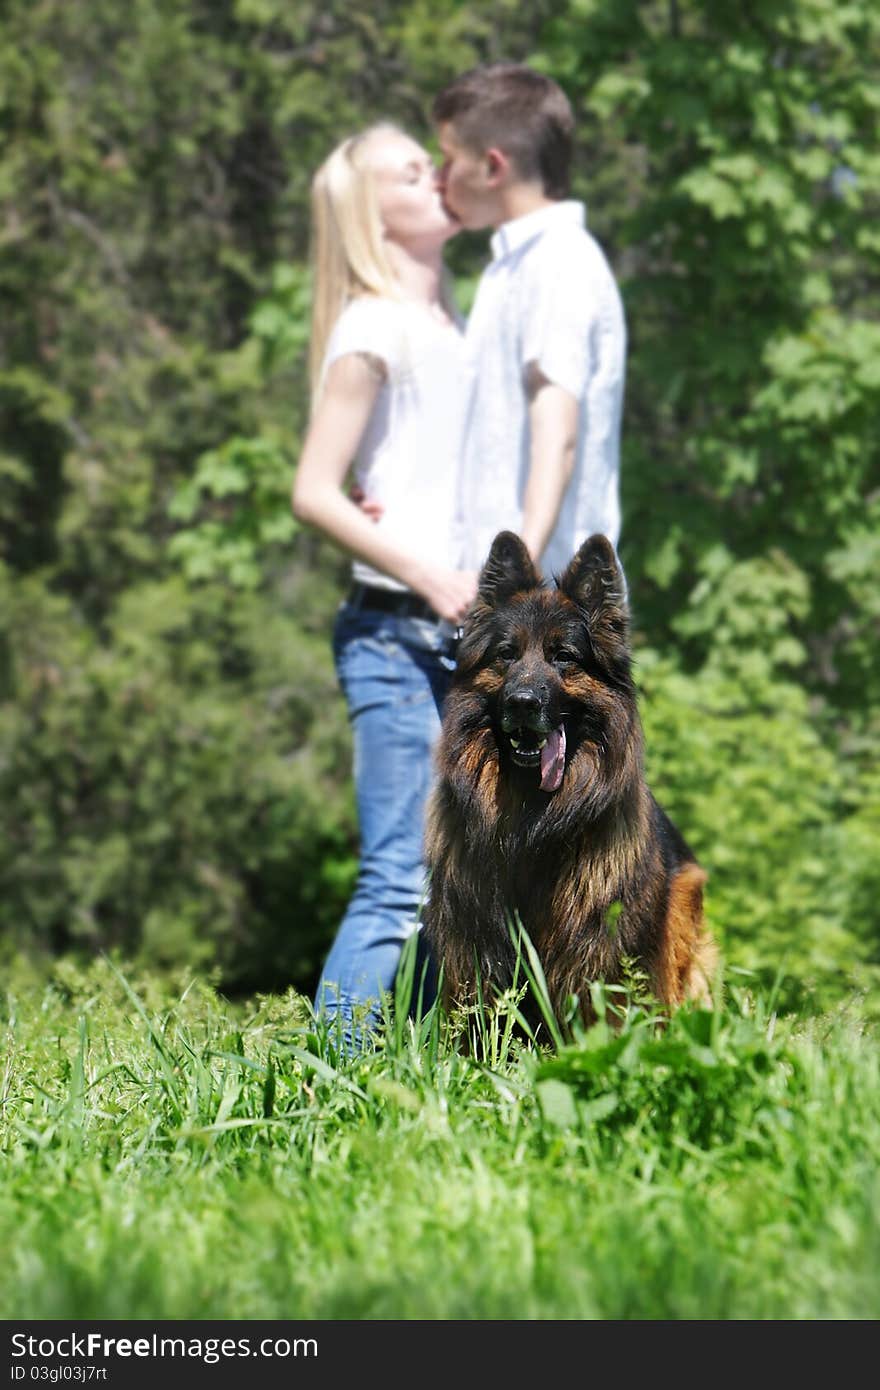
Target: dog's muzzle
534	740
526	724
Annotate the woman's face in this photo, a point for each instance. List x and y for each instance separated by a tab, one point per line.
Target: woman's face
410	206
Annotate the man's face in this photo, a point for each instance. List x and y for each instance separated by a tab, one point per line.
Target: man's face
467	182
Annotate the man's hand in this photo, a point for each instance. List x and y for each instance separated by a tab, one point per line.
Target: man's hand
374	510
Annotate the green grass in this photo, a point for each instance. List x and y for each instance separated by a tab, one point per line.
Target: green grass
167	1155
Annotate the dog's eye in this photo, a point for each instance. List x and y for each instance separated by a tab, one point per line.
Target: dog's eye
505	651
564	657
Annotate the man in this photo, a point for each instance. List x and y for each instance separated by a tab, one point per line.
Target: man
546	334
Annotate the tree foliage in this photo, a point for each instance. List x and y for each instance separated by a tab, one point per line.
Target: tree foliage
752	286
174	773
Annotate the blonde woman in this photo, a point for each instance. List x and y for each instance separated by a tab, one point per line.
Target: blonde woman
389	387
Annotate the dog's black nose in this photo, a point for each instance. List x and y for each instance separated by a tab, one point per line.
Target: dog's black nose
523	702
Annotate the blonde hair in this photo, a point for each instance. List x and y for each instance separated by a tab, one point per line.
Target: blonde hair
349	256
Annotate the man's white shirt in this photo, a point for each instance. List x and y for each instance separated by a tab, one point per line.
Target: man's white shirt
548	298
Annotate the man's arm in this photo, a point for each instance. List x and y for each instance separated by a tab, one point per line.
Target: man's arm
553	421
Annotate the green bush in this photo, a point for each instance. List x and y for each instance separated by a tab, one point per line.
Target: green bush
178	790
784	821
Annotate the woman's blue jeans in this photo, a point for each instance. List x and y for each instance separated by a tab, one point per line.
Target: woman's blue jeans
394	672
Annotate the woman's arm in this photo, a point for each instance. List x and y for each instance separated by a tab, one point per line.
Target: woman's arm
348	399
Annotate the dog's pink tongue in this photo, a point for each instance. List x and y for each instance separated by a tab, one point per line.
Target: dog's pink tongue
553	760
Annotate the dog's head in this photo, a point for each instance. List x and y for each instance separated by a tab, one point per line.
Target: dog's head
551	664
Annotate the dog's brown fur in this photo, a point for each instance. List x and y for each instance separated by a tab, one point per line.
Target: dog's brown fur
581	853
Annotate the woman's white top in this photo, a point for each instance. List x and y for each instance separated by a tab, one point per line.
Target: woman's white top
409	456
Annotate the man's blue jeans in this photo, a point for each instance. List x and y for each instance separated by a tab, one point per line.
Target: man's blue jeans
394	673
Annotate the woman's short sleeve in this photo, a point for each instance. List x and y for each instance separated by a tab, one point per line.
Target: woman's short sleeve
370	326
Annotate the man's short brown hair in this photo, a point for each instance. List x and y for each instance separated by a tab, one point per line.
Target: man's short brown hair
521	112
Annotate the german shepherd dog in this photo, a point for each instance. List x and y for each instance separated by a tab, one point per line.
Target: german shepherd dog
541	809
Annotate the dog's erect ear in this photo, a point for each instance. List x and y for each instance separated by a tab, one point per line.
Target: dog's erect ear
594	581
508	570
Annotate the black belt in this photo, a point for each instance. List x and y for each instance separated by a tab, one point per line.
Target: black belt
402	603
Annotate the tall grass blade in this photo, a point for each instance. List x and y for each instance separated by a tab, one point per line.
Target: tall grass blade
535	975
166	1060
323	1069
